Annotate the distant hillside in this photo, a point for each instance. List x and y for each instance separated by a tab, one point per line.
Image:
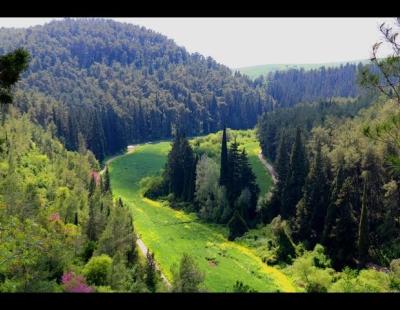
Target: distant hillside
105	84
255	71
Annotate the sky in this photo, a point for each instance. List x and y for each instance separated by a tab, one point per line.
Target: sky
241	42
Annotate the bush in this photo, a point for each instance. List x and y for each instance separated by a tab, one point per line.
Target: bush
312	271
98	270
153	187
73	283
239	287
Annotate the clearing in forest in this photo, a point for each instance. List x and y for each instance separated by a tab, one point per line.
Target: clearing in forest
169	233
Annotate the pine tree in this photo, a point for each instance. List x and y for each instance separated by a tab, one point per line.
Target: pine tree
106	181
331	211
248	181
180	169
311	210
237	226
233	186
224	168
151	272
293	190
343	235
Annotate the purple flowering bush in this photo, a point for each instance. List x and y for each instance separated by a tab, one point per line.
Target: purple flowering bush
73	283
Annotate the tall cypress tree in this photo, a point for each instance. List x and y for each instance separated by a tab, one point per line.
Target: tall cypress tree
293	190
224	168
234	187
106	186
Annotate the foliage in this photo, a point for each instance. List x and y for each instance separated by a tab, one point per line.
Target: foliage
188	278
73	283
105	84
98	269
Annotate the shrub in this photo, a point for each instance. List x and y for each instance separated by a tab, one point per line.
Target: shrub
153	187
98	269
73	283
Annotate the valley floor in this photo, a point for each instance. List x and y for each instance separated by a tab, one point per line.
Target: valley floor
170	233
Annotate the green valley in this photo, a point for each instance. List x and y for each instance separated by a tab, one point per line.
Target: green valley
169	233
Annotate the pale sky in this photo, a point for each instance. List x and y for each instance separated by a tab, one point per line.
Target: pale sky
239	42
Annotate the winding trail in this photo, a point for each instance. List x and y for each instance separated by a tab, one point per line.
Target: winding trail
143	248
130	149
269	167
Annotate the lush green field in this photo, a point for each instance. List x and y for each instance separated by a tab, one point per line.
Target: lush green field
256	71
170	233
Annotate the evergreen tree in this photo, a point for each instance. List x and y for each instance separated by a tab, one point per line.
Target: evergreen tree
331	211
248	181
224	168
11	67
293	190
234	187
180	169
311	210
106	181
151	272
237	226
343	235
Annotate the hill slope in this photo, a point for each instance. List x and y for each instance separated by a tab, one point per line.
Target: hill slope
106	84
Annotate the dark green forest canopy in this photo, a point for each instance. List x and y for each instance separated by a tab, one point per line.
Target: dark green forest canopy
105	84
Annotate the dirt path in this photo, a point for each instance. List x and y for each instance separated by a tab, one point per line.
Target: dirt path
130	149
144	250
139	242
268	166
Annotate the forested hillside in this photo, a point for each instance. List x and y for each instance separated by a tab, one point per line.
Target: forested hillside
60	230
330	176
106	84
294	86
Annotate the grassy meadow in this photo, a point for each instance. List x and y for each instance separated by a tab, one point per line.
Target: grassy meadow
169	233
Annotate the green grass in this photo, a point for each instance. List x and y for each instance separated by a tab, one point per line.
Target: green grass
170	233
256	71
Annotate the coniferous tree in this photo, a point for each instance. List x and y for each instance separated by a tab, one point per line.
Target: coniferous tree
106	181
343	236
234	173
331	211
224	168
311	210
151	272
180	169
297	173
237	226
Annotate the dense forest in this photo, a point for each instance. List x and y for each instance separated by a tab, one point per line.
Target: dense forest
75	91
294	86
105	84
